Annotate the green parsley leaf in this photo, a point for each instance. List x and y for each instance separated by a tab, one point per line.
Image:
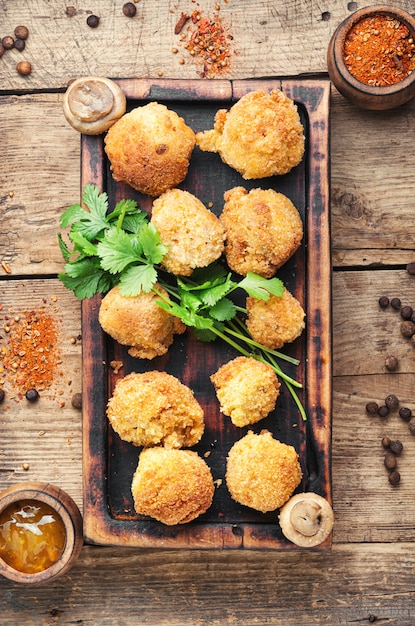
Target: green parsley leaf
136	279
89	223
149	239
85	278
259	287
117	250
82	244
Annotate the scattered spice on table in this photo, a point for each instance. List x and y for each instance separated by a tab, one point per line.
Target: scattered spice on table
379	51
29	352
208	41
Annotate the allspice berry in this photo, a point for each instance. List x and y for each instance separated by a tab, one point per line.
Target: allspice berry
410	268
383	302
77	401
411	426
24	68
396	447
392	402
21	32
396	303
407	329
394	478
389	461
391	363
129	9
372	408
7	42
92	21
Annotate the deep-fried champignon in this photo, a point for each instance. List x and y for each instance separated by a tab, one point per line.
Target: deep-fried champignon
263	230
260	136
306	519
149	148
262	472
93	104
276	321
172	486
139	322
155	408
247	390
193	235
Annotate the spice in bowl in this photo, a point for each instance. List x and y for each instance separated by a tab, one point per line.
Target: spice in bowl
379	50
371	57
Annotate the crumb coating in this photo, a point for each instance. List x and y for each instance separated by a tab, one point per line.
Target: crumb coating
193	235
276	321
247	390
263	230
155	408
172	486
262	472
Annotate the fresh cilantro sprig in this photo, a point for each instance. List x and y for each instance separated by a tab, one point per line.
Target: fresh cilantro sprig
121	247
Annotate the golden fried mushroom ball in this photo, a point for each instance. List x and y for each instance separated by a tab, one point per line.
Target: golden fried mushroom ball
139	322
149	148
155	408
262	472
193	234
276	321
263	230
261	135
172	486
247	390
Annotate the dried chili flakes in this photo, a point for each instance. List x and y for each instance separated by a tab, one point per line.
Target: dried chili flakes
379	51
210	44
29	351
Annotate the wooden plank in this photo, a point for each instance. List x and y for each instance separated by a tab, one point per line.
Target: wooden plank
141	47
351	584
108	509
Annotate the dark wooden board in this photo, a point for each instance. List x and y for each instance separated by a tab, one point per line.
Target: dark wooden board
109	463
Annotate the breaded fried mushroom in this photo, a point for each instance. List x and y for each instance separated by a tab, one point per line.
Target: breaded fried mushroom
193	235
139	322
149	148
260	136
172	486
155	408
263	230
247	390
276	321
262	472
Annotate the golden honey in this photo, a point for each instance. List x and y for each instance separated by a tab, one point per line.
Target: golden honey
32	536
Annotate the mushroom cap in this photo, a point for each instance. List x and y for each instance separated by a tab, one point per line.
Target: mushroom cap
92	104
306	519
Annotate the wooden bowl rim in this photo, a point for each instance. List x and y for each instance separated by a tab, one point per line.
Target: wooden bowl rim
338	41
69	512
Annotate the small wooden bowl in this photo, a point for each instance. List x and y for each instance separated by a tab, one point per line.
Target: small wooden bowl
70	515
361	94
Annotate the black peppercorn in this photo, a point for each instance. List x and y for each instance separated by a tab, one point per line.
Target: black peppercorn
32	395
391	363
396	447
7	42
410	268
406	312
405	413
392	402
21	32
383	411
394	478
389	461
129	9
20	44
2	395
383	302
396	304
92	21
407	329
372	408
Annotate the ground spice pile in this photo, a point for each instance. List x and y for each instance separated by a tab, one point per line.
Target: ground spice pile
208	42
29	353
379	51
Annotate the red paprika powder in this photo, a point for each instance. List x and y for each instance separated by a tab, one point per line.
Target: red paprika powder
379	50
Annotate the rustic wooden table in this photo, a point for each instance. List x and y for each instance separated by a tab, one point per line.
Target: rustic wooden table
367	576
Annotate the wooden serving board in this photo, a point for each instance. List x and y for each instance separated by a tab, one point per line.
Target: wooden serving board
109	463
